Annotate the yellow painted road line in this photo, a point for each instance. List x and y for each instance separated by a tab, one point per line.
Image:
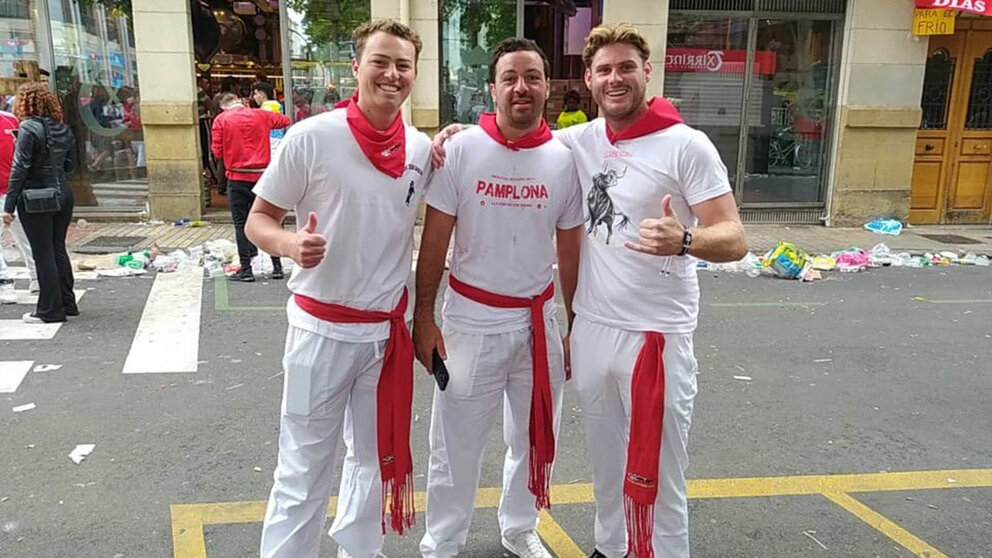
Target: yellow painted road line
960	301
188	520
557	539
885	526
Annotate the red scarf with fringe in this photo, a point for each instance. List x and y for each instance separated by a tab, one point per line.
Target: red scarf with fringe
394	398
660	115
538	137
647	413
542	433
385	149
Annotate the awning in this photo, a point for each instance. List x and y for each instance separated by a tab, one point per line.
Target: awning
981	7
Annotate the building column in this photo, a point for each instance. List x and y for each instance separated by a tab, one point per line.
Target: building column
651	20
881	83
421	109
163	36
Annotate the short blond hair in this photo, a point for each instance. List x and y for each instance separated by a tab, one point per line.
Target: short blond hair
390	26
619	33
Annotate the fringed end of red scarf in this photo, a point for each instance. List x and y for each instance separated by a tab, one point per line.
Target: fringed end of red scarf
539	481
640	527
399	498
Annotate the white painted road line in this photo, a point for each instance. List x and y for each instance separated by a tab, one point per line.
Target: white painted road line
17	330
168	336
12	373
25	296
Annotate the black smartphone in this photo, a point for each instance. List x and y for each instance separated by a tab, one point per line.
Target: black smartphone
439	370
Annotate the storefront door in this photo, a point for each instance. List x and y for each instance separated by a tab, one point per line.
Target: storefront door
952	182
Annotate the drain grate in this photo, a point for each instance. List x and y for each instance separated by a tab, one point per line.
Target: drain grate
110	244
951	239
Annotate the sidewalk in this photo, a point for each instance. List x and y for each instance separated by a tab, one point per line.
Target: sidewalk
95	238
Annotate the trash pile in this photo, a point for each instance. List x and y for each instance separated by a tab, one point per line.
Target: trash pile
216	257
787	261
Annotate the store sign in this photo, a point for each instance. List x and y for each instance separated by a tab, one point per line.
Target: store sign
982	7
933	22
687	60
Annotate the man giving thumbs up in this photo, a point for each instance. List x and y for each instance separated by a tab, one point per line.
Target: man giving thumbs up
357	173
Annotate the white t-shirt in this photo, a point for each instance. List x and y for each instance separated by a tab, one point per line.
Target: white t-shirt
507	204
623	185
366	216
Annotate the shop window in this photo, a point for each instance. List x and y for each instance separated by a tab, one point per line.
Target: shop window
980	97
18	49
96	77
321	47
937	90
469	31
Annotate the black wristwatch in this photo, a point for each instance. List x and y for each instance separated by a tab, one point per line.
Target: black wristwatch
686	242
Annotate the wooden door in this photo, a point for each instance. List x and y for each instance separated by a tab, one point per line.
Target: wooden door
952	173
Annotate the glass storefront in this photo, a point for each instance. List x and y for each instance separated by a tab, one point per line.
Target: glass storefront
763	90
90	63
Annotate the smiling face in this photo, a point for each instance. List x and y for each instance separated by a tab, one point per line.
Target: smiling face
618	77
386	70
520	90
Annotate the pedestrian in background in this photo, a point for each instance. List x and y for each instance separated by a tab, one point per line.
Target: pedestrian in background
8	133
572	114
40	195
241	139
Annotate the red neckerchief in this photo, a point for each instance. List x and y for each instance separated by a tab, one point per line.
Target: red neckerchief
660	115
542	434
538	137
394	398
647	413
385	149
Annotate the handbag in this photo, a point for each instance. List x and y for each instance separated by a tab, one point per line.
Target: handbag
42	200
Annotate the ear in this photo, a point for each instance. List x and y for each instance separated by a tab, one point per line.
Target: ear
648	70
587	76
492	93
354	67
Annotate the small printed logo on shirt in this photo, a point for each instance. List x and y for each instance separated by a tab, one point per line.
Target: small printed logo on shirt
414	168
409	193
616	153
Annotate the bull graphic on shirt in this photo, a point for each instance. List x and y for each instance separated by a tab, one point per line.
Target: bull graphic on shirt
602	210
409	193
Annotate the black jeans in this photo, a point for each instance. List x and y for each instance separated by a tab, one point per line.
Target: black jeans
46	234
240	198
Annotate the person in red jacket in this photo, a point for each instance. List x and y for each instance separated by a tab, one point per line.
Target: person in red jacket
241	140
8	132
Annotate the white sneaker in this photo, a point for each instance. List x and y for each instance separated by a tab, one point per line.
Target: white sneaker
30	318
7	294
526	545
34	287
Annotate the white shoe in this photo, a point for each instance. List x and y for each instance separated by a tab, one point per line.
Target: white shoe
30	318
342	553
7	294
526	545
34	287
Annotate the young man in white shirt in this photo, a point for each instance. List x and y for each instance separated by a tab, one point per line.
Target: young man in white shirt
657	198
508	190
357	174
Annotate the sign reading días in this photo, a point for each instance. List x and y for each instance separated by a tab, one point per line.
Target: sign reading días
933	22
981	7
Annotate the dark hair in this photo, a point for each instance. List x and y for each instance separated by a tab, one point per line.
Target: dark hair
389	26
572	95
516	44
265	88
228	84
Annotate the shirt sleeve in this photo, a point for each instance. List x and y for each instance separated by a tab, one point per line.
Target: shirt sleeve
442	189
286	179
703	176
571	215
217	138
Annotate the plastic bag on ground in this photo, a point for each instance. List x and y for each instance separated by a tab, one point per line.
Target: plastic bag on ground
786	260
885	226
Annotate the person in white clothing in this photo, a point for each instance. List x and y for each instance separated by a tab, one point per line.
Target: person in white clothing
657	198
357	173
509	190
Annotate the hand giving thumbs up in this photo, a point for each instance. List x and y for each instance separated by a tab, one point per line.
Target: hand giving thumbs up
660	237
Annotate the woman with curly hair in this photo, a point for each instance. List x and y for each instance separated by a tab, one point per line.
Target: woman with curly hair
42	159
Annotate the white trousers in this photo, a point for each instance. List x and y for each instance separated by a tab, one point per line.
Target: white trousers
23	246
602	366
329	390
488	374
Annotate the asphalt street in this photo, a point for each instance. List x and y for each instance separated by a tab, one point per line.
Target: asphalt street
879	372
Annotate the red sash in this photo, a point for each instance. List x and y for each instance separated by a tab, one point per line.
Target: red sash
542	434
394	397
647	413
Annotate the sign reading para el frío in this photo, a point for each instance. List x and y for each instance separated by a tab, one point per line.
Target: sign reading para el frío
933	22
